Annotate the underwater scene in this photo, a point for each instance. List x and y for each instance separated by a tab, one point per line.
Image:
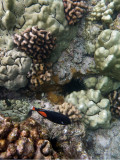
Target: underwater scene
60	79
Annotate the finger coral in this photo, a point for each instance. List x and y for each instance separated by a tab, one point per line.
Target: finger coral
74	10
35	42
69	110
26	140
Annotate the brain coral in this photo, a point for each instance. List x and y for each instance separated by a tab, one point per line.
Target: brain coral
13	69
93	107
107	54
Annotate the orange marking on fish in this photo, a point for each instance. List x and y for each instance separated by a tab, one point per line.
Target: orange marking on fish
33	108
42	113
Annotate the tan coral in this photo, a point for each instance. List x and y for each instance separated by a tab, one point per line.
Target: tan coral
39	74
114	98
69	110
35	42
24	140
74	10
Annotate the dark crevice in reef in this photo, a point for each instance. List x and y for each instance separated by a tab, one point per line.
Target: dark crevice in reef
73	85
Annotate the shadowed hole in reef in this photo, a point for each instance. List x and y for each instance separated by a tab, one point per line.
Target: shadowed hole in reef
73	85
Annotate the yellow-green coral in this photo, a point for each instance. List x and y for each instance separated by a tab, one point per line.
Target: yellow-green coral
107	54
102	83
93	107
104	10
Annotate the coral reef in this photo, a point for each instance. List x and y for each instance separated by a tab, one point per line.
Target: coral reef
24	141
107	54
67	140
35	42
68	109
14	66
114	98
74	10
17	109
49	15
102	83
94	109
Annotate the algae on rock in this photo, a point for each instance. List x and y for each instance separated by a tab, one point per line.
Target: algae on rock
16	109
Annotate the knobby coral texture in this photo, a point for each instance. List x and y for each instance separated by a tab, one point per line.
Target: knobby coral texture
24	140
69	110
74	10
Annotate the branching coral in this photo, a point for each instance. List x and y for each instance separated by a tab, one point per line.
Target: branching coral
74	10
35	42
71	111
94	109
24	141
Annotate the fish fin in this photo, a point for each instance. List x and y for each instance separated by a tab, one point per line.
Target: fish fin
42	113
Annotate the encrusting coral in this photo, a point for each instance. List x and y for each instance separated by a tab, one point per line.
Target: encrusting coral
95	109
35	42
26	140
69	110
14	67
74	10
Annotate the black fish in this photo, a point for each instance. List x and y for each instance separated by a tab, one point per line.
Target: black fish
52	116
